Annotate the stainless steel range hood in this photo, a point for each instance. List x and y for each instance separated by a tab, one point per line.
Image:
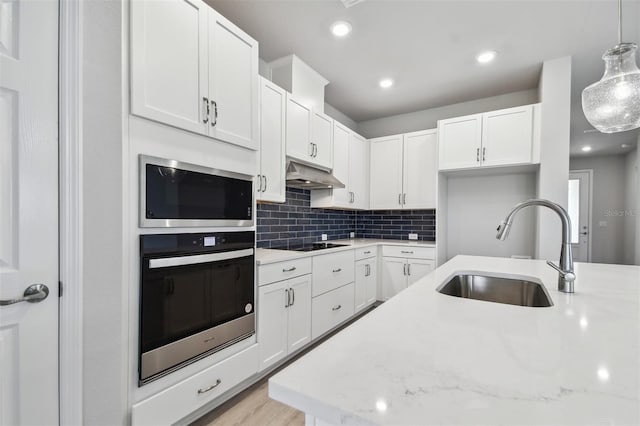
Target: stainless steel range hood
308	177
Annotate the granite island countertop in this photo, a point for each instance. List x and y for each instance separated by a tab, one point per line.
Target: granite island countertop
266	256
428	358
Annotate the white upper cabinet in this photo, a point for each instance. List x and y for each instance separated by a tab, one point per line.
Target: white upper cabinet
233	83
193	69
498	138
322	140
270	185
169	69
419	169
386	172
404	170
460	139
507	136
298	134
351	167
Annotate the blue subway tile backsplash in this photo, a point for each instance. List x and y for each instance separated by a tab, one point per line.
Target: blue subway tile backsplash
295	222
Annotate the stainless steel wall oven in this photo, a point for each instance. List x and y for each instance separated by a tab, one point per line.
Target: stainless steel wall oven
176	194
196	297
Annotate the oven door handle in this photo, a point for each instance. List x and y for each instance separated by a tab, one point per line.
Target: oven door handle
166	262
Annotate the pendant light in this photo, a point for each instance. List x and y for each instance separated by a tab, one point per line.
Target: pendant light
613	104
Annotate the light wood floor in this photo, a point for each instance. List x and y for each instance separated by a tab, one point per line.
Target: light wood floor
252	407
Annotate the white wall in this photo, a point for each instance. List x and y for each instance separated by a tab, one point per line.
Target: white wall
555	96
477	204
608	205
340	116
104	315
428	118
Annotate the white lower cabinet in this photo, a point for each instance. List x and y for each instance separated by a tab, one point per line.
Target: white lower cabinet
403	266
331	309
332	270
183	398
366	283
284	318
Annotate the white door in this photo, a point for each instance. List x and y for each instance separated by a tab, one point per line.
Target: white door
271	182
299	326
507	136
341	165
233	83
420	170
386	173
169	81
579	209
272	323
28	211
417	269
322	138
298	133
359	171
459	141
394	278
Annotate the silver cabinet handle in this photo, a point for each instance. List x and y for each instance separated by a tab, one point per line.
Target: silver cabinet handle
286	292
337	270
293	268
400	199
367	252
205	109
201	391
367	270
477	155
214	104
315	149
259	183
335	308
484	153
404	198
293	296
33	294
265	183
406	252
408	269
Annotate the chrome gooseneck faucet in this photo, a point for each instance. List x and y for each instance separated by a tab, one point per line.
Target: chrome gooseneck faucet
565	269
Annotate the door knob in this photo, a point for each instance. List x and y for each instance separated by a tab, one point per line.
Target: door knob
33	294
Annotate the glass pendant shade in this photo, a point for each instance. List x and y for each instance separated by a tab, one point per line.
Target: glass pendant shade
613	104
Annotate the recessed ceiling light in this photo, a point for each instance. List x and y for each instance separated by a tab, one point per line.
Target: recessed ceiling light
624	145
486	57
385	83
340	28
586	148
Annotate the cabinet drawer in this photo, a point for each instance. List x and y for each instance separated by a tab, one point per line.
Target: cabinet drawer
409	252
181	399
275	272
366	252
330	309
332	271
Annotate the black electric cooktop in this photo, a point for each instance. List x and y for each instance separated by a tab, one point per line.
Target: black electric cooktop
313	246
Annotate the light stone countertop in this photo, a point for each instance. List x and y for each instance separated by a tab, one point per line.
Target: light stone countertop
266	256
428	358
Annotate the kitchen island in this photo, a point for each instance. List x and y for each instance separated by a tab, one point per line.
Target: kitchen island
428	358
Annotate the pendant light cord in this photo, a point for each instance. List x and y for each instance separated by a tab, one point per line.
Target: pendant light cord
619	22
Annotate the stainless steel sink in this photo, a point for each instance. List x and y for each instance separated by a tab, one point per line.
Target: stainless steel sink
498	290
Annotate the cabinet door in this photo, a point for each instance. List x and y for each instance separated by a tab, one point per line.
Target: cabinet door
169	81
507	136
272	323
417	269
371	286
233	83
322	137
341	165
298	132
394	278
459	141
272	156
386	173
359	171
420	170
299	326
361	285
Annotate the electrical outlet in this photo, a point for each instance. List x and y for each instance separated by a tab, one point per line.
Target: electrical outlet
413	236
352	234
323	237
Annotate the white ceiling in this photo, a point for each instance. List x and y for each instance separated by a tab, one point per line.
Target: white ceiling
429	46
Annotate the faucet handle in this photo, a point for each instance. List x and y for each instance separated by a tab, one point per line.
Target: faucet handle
567	275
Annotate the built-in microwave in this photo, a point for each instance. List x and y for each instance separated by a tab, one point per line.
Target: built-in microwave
177	194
